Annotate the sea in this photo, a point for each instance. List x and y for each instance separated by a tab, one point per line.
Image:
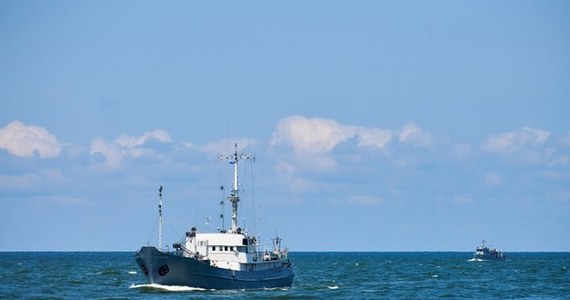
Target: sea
319	275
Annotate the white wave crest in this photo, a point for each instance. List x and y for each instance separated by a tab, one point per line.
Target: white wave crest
168	288
276	289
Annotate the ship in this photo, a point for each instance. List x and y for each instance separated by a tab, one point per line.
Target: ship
225	259
484	252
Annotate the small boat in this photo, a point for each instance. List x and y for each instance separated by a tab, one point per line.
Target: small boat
484	252
226	259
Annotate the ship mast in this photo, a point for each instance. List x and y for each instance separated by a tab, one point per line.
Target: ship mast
235	159
160	218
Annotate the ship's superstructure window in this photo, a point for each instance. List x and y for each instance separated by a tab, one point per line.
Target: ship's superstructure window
213	248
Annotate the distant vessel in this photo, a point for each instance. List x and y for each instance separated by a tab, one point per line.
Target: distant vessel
483	252
227	259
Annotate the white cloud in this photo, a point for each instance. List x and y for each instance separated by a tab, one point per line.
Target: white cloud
516	140
414	135
313	139
127	146
126	141
318	135
112	152
374	137
310	136
25	140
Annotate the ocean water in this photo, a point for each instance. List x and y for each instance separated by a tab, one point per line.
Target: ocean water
327	275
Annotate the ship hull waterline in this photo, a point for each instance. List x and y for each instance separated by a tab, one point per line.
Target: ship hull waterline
170	269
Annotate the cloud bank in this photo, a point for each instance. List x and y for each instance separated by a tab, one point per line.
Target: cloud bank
319	135
516	140
127	146
311	135
26	140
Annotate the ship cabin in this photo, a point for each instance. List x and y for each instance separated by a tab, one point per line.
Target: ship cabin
234	251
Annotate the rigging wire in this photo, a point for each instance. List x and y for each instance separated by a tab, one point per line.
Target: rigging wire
253	198
152	232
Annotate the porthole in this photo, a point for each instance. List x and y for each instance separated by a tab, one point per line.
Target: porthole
144	269
163	270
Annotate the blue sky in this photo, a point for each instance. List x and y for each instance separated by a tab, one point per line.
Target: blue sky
376	125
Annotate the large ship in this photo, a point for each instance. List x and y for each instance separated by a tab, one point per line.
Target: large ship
484	252
226	259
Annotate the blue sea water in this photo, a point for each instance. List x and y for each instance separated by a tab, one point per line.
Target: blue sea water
330	275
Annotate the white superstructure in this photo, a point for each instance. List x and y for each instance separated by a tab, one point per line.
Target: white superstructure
234	249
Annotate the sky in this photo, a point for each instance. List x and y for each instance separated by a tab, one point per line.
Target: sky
376	125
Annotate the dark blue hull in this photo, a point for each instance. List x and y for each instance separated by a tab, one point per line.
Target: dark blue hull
170	269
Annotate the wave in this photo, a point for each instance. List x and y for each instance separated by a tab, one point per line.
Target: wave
167	288
276	289
108	272
476	259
